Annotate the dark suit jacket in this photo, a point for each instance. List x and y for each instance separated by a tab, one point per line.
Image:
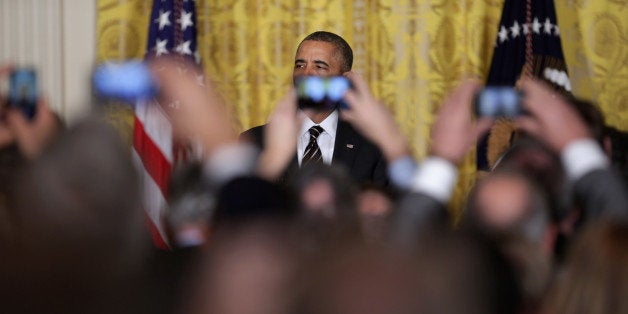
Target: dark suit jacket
361	158
601	194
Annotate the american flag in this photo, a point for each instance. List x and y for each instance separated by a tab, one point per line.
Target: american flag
171	32
527	43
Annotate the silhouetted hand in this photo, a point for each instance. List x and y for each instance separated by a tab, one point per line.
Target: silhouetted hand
32	136
551	118
201	112
373	119
455	130
280	137
6	138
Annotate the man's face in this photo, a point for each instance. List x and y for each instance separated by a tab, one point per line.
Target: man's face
316	58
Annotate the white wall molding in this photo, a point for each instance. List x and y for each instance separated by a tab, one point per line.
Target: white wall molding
58	38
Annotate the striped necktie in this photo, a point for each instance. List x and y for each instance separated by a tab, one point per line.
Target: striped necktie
312	153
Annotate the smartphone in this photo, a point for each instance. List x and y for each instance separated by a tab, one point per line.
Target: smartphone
23	91
322	93
498	101
129	81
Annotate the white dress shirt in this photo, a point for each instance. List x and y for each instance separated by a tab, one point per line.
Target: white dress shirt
581	157
326	140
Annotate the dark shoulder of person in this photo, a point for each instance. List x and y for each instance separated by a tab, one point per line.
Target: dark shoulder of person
254	135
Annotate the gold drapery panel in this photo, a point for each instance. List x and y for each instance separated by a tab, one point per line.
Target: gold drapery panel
412	52
595	43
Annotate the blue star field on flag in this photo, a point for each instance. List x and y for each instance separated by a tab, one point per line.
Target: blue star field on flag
172	30
510	45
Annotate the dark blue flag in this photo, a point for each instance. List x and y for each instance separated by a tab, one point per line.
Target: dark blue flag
528	31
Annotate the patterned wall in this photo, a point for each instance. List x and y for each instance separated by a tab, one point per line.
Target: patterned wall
595	43
412	51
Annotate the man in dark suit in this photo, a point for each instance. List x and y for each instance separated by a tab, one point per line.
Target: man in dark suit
326	54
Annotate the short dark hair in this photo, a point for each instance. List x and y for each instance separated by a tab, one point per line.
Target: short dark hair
341	45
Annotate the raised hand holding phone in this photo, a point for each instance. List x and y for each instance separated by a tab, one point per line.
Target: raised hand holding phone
373	119
27	120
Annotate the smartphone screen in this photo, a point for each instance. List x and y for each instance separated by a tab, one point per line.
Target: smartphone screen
23	91
321	93
498	102
129	81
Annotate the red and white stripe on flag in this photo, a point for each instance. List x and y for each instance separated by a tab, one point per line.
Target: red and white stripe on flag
152	153
171	32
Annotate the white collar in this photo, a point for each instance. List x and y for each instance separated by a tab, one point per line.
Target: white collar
330	125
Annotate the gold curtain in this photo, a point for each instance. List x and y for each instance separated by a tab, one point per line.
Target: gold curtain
595	43
412	52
